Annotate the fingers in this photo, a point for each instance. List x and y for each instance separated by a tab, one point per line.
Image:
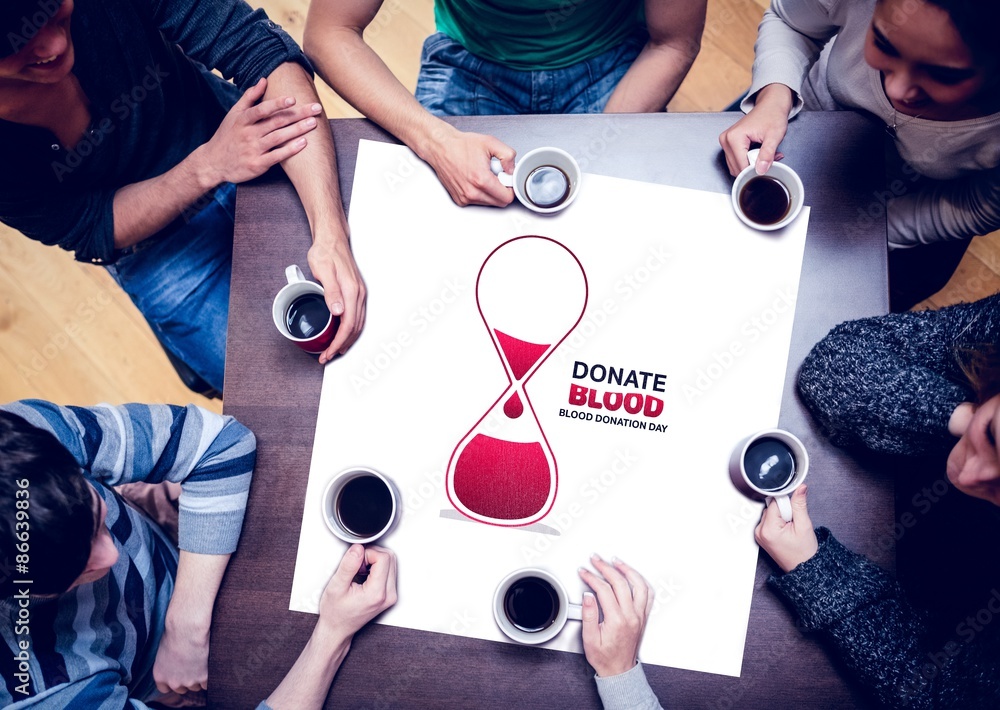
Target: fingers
766	156
350	565
642	593
504	152
800	506
251	95
591	618
620	585
735	146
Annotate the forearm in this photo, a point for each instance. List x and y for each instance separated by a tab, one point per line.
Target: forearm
143	208
307	683
313	171
195	589
352	68
652	80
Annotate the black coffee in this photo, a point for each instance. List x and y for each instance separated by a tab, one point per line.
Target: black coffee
769	464
307	316
364	505
765	200
531	604
547	186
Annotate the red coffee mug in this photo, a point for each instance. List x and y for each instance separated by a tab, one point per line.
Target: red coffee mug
296	288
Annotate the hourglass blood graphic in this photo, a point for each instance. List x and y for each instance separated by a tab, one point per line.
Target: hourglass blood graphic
531	292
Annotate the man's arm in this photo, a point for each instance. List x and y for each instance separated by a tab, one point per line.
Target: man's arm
346	606
313	172
251	139
182	657
675	29
335	43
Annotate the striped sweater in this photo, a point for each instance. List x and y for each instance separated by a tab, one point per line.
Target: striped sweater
94	646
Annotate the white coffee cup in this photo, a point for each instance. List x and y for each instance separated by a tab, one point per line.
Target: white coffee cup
525	587
750	476
372	500
545	180
779	172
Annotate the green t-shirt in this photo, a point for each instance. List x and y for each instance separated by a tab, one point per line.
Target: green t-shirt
545	34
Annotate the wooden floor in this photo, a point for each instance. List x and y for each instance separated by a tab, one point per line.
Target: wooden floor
68	334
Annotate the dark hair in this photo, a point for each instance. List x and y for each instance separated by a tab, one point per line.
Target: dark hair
976	22
981	365
41	481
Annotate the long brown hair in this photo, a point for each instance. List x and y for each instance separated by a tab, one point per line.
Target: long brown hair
981	365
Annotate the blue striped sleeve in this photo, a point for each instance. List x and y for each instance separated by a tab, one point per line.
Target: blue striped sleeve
210	455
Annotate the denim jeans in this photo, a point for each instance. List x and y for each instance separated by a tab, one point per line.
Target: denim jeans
179	281
454	82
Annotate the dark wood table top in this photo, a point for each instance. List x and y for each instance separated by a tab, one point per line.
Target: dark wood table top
275	391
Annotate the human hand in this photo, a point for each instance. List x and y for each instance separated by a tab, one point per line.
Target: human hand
181	664
973	465
346	606
612	645
788	544
254	137
333	265
462	163
765	124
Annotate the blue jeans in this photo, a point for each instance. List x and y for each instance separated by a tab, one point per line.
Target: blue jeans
454	82
179	281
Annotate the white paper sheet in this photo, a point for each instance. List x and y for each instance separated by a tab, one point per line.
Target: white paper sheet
676	286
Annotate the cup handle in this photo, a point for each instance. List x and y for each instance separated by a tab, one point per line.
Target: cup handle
293	273
784	507
752	156
506	179
574	612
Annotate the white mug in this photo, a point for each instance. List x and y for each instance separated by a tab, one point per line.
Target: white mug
382	500
748	476
531	187
779	172
533	584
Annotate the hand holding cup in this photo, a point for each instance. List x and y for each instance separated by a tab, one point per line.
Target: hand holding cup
770	464
789	543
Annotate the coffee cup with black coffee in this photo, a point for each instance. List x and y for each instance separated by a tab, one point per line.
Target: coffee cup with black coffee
545	180
770	464
769	201
300	313
360	505
531	606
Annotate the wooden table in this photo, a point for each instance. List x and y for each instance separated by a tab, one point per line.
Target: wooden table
275	391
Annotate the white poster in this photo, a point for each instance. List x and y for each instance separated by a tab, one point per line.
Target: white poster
542	388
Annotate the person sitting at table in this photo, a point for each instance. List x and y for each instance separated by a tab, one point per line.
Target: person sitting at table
512	57
123	147
916	385
611	644
930	71
99	608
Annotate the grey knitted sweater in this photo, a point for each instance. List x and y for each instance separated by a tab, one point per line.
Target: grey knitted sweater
859	608
890	383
